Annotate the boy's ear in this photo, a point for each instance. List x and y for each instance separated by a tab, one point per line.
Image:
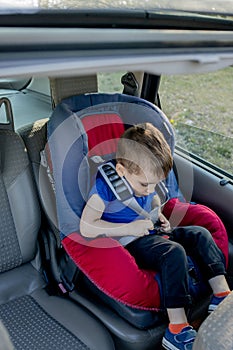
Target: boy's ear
120	169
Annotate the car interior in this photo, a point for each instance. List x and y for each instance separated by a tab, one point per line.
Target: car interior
67	92
49	321
66	284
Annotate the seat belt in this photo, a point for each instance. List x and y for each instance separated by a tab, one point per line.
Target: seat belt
130	84
124	193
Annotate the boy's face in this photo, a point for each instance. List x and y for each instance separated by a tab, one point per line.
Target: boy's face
143	183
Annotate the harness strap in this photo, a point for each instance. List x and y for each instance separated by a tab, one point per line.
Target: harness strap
124	193
119	186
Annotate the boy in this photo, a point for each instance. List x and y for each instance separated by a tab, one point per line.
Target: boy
144	159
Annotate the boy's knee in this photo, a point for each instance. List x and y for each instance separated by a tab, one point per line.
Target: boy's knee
178	252
202	233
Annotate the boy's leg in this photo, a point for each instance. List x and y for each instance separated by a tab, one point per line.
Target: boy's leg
199	244
169	259
220	289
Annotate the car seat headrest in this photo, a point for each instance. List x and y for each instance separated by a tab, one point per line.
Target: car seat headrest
63	87
103	131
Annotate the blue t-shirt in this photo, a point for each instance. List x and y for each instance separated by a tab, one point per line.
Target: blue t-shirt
115	211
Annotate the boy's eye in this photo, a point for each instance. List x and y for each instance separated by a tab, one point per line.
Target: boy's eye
144	185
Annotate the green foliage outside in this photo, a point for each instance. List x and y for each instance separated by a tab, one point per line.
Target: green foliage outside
201	110
200	107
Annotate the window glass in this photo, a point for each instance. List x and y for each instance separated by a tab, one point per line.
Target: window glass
3	115
110	82
200	108
30	100
214	6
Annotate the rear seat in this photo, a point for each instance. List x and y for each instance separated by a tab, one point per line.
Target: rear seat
126	336
33	318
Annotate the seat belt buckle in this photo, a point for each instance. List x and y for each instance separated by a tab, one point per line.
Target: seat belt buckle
62	288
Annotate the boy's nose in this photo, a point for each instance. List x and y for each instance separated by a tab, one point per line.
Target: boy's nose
150	188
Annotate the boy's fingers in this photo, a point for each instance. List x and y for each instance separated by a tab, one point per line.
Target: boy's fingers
149	223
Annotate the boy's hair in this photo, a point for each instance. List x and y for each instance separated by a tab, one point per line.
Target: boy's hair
143	146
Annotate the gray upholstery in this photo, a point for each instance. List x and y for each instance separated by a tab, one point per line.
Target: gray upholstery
35	137
17	198
10	257
38	325
6	343
63	87
19	281
33	319
216	332
67	329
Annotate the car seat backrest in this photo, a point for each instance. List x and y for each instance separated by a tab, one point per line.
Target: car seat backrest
35	138
80	127
19	210
63	87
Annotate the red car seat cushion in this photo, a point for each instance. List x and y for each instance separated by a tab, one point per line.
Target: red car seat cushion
114	271
185	214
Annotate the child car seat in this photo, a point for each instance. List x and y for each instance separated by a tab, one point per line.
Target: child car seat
75	134
87	126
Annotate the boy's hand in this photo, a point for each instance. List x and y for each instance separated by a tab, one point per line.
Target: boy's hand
164	223
140	228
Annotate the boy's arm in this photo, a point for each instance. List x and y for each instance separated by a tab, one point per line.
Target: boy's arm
165	224
91	224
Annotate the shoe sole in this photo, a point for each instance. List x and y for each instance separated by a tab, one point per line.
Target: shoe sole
212	308
168	346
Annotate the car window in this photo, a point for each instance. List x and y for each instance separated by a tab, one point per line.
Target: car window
29	100
200	108
3	113
14	83
213	6
110	82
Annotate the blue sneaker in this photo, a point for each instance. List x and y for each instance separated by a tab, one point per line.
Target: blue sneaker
214	302
181	341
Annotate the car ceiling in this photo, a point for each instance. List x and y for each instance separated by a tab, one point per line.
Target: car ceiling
83	51
54	43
